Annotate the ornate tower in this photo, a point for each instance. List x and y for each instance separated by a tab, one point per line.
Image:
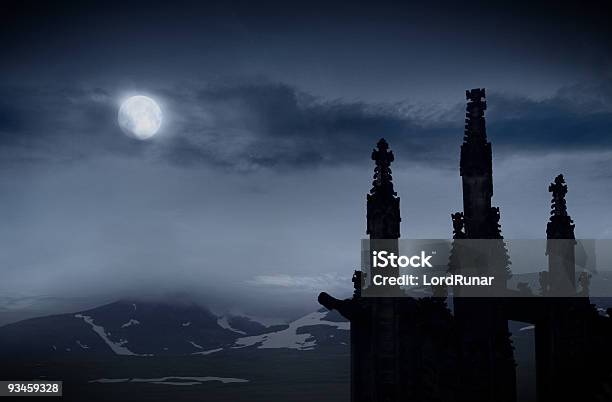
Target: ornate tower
480	219
380	333
560	244
402	349
487	363
375	340
475	168
561	333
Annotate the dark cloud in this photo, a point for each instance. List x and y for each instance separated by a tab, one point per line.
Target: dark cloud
278	125
366	50
576	118
275	125
246	126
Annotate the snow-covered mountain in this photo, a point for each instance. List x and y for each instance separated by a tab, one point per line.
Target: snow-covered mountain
154	329
321	328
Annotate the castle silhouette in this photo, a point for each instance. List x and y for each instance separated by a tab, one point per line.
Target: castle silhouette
417	349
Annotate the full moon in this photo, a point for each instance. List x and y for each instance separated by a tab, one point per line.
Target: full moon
140	117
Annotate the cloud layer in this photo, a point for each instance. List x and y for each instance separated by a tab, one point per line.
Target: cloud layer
250	125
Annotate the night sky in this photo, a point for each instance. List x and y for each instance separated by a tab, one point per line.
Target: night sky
254	188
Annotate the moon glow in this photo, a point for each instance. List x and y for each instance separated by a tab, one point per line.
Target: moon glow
140	117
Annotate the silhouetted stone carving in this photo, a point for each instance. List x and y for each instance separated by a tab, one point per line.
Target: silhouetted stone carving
475	167
458	225
559	208
383	213
560	246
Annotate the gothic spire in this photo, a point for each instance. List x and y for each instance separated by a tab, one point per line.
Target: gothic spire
480	220
558	189
560	225
476	169
382	184
383	215
476	156
475	128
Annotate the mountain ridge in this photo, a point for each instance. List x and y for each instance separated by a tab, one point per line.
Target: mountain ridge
136	328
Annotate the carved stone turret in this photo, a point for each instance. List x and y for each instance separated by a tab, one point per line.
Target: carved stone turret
561	331
560	244
476	166
479	219
458	225
383	211
561	225
399	346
